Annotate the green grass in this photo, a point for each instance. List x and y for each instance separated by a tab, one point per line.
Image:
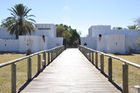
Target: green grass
134	75
5	72
21	68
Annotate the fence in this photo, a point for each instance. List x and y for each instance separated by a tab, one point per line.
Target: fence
27	66
122	73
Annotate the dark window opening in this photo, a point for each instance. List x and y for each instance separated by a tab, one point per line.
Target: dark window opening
44	28
100	36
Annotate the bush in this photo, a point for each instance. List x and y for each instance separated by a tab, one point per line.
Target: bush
28	52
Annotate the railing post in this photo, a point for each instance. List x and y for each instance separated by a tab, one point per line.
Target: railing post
56	52
51	55
39	63
110	68
86	53
96	59
29	69
48	57
44	58
89	56
92	57
125	78
102	63
13	78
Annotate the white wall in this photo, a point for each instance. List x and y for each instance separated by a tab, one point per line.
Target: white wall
132	45
9	45
102	44
49	30
5	35
53	42
126	39
35	43
90	41
115	44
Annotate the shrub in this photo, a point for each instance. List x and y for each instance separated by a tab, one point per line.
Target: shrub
28	52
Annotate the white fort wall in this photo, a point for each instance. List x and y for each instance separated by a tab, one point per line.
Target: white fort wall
5	35
34	43
44	37
90	41
9	45
48	30
112	40
53	42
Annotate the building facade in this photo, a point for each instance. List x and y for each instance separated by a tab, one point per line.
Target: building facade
105	39
44	37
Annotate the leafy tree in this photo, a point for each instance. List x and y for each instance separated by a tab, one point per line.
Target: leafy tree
60	30
20	22
137	21
132	27
71	36
118	28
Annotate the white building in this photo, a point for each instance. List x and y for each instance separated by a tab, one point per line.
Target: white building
105	39
44	37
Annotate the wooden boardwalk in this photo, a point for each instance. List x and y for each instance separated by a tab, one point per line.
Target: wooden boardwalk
70	72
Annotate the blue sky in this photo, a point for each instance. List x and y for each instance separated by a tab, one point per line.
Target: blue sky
80	14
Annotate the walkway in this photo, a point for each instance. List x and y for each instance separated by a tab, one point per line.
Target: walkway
70	72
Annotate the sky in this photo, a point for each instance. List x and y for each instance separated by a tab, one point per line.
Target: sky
79	14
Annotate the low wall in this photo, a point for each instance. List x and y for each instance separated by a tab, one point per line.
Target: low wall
9	45
53	42
34	43
90	41
132	45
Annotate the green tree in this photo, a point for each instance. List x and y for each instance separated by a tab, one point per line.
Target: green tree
70	35
132	27
118	28
60	30
137	21
19	23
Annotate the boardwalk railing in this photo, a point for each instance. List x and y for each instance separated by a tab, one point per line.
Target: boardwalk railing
124	74
42	59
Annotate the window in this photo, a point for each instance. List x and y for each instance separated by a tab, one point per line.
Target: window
44	28
100	36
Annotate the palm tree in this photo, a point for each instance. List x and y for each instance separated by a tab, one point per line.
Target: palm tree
132	27
20	22
137	23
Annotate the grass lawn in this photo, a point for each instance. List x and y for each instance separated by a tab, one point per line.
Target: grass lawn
5	72
134	75
5	57
133	58
21	69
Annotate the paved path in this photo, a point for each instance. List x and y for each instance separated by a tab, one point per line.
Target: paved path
70	72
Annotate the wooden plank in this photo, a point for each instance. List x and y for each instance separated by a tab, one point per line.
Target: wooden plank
70	72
